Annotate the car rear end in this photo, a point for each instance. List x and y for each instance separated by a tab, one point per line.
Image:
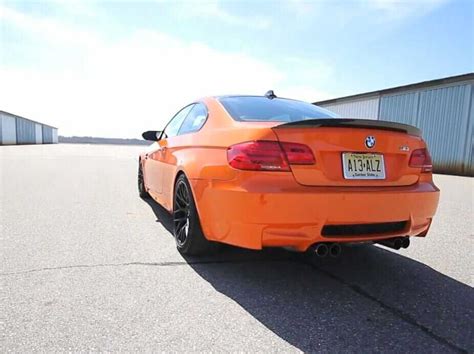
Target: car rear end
324	181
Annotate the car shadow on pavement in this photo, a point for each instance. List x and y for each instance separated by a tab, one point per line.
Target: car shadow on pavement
370	299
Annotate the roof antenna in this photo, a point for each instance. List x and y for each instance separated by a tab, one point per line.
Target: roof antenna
270	95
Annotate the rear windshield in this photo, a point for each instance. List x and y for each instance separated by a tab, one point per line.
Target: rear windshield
258	109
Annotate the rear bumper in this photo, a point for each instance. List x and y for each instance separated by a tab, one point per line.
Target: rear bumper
273	210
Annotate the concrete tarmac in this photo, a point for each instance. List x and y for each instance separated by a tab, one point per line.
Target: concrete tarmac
89	266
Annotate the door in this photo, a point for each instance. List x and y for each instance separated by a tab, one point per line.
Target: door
152	170
155	165
193	122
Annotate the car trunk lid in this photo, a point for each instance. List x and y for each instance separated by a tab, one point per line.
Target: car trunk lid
338	144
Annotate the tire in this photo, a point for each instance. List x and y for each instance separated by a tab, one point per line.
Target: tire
187	231
141	183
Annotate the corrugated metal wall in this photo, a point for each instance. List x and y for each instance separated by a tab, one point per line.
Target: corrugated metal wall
366	108
401	108
444	114
18	130
8	135
469	149
38	133
55	136
25	131
47	135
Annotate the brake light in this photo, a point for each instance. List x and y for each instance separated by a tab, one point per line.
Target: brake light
265	155
298	154
258	155
421	158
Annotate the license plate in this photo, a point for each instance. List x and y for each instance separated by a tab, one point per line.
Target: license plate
363	166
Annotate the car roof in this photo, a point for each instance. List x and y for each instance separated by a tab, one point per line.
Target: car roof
260	96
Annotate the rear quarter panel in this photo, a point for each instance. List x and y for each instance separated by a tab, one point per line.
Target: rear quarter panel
203	155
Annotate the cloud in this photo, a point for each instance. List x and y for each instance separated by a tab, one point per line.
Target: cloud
302	92
344	13
396	10
304	8
90	85
212	9
47	29
311	69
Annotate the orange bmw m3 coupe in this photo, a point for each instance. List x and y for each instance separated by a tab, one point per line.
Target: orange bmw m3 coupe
263	171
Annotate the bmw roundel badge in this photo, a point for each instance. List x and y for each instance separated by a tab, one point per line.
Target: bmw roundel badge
370	141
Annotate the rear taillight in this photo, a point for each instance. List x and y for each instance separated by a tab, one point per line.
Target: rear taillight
421	158
298	154
268	155
258	155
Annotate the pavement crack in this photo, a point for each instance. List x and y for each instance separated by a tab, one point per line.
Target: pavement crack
393	310
155	264
100	265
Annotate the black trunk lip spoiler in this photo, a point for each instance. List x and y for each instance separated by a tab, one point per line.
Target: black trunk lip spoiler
353	123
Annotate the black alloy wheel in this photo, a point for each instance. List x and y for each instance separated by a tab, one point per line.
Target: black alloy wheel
141	183
181	213
188	234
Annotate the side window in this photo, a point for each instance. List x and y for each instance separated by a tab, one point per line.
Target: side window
175	123
194	120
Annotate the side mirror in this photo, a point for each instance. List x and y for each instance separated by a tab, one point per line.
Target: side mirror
152	135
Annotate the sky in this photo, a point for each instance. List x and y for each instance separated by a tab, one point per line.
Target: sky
118	68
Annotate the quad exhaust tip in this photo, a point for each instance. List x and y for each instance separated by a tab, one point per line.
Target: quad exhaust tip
396	243
335	250
322	249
